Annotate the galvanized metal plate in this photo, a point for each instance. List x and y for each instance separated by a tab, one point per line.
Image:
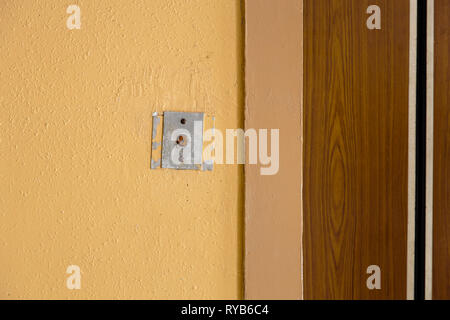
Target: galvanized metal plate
156	141
207	139
182	140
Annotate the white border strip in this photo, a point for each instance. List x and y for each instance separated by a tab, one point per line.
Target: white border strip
430	155
412	151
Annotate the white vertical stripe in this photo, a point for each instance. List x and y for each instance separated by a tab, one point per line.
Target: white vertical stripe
412	151
430	155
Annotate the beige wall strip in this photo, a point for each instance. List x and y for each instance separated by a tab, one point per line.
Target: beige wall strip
430	158
412	149
273	101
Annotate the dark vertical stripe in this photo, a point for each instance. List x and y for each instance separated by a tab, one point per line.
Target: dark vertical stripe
421	134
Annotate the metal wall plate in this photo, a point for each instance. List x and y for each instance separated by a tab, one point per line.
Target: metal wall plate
156	141
182	140
195	152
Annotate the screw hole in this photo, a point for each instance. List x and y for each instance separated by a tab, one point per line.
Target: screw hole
183	121
181	141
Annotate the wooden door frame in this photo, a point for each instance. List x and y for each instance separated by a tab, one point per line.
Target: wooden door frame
273	221
274	98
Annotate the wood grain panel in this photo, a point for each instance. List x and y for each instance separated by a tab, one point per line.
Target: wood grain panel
441	184
355	148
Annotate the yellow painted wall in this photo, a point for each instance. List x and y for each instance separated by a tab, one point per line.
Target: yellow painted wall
75	126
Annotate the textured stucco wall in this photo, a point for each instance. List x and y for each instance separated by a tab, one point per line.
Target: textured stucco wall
75	127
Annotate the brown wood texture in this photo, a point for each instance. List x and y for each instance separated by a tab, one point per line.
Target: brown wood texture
441	179
355	148
273	101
